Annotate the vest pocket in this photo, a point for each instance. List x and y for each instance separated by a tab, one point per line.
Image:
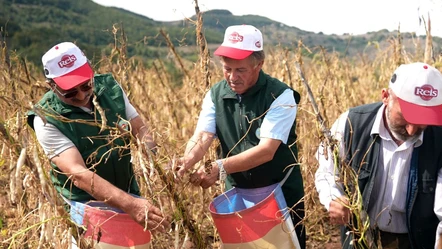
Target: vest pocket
428	185
363	178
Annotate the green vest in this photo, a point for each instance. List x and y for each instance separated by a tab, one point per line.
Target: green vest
102	153
238	122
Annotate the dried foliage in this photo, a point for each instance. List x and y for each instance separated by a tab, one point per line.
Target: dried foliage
31	214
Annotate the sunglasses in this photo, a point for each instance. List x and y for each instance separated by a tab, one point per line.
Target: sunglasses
70	94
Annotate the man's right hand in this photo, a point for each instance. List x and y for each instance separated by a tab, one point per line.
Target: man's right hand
149	216
339	212
180	167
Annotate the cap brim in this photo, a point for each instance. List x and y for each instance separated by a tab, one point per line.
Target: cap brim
75	78
421	115
232	53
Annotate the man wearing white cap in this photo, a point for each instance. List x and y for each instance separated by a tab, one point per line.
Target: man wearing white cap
88	163
253	116
394	148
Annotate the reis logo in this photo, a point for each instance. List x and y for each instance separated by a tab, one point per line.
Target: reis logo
426	92
67	61
235	37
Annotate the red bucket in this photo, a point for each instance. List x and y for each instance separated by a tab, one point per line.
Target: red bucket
109	227
254	218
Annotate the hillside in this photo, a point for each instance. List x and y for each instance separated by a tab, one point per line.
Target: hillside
32	214
31	26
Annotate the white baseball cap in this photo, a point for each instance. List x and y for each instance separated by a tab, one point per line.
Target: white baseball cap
240	41
67	65
418	87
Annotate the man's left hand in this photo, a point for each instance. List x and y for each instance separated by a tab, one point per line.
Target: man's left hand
205	176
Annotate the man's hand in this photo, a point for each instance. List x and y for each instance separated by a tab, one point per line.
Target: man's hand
179	168
439	241
196	148
338	212
206	175
149	216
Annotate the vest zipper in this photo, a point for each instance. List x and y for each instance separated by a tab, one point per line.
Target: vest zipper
238	96
246	173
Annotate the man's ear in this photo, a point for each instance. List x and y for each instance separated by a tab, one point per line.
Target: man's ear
259	65
385	95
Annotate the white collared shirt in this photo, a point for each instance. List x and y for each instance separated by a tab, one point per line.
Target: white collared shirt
276	124
388	198
53	141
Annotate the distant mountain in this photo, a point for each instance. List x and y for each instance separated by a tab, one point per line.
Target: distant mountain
30	27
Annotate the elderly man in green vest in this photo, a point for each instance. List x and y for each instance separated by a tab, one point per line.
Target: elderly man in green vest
253	116
88	163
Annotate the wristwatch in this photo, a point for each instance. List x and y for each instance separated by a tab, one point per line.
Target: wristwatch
222	172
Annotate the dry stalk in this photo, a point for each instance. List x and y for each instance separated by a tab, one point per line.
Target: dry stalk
186	241
168	181
102	114
146	173
43	229
326	61
17	182
169	98
142	165
12	183
202	42
325	131
3	151
122	55
41	176
429	56
397	50
177	235
172	49
361	229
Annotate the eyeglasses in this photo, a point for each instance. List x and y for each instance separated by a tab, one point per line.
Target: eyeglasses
70	94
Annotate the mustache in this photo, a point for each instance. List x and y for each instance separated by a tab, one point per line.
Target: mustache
401	133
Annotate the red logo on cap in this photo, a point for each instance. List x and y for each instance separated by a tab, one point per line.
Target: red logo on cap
426	92
235	37
67	61
258	44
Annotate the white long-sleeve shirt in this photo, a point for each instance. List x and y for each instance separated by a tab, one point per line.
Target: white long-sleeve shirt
388	197
276	123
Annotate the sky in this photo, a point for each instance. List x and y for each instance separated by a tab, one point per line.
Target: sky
327	16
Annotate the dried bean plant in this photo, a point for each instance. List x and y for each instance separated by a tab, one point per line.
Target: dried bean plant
32	214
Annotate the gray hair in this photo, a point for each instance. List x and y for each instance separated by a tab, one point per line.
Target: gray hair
258	56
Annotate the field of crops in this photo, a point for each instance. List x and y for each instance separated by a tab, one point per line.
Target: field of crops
31	214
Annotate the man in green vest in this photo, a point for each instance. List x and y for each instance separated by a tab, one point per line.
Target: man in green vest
387	189
89	162
253	116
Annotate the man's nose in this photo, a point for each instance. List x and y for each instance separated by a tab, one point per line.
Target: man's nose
232	76
81	95
412	129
